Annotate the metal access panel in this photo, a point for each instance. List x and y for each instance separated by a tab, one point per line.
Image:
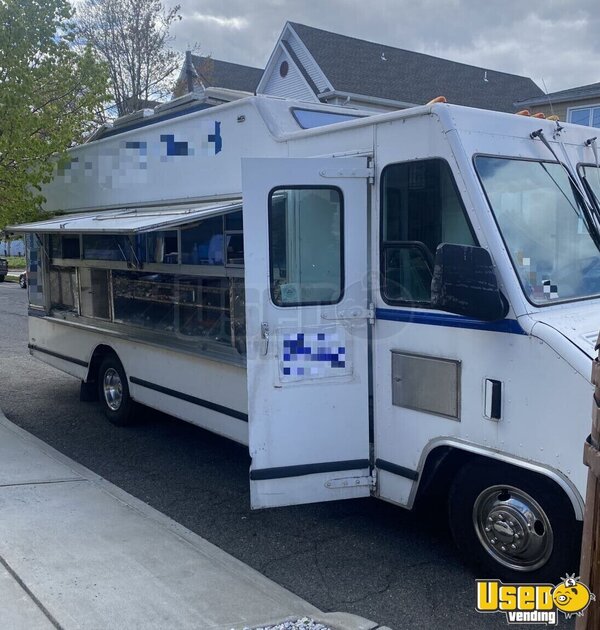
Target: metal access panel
425	383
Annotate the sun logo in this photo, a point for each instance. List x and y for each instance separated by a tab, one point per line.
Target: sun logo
571	596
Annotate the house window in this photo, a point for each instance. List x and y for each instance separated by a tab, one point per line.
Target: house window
283	69
589	116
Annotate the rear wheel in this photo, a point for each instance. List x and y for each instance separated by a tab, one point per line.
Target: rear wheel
113	392
23	281
512	524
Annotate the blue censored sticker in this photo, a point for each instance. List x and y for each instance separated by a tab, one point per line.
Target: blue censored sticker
211	140
173	147
314	355
141	146
216	137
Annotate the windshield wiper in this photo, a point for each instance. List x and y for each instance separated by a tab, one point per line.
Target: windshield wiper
591	193
591	213
591	142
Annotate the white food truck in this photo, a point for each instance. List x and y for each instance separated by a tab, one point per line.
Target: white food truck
386	305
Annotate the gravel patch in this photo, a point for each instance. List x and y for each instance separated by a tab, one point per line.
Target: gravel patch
300	624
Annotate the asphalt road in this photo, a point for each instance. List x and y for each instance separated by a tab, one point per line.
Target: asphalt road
365	556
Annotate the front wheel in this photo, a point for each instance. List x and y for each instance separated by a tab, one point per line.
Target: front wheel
514	525
113	392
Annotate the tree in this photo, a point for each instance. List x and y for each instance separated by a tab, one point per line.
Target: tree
132	38
48	93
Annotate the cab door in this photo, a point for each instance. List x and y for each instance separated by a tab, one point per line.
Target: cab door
307	318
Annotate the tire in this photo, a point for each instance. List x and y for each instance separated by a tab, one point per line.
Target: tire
2	278
512	524
22	282
113	392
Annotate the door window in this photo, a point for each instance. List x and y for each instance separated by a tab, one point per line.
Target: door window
421	208
306	246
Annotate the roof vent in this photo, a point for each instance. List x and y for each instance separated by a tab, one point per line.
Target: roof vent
98	133
182	101
129	118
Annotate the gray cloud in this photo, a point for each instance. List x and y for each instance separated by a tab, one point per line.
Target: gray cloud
556	41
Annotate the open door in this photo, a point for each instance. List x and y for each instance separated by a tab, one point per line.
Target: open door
307	319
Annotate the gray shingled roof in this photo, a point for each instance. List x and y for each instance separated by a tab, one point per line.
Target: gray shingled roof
572	94
233	76
356	66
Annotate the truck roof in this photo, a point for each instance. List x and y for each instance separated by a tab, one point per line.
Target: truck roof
194	156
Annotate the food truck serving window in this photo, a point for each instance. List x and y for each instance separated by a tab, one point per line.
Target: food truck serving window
306	245
105	247
64	246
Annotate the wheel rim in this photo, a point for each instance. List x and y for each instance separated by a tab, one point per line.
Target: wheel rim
113	389
513	528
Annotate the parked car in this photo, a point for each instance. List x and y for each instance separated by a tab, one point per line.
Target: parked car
23	280
3	268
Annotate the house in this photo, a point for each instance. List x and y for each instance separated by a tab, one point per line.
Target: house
214	80
579	105
316	65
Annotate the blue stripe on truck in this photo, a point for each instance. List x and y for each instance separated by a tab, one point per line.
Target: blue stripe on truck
510	326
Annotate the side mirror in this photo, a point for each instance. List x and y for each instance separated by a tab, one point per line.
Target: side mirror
464	282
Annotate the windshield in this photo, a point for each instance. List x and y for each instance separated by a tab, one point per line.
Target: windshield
542	225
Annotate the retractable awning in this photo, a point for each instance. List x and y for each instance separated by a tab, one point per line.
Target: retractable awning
130	221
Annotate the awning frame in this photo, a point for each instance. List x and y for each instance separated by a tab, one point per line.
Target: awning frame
126	221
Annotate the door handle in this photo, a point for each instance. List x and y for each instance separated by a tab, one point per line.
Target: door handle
264	333
352	313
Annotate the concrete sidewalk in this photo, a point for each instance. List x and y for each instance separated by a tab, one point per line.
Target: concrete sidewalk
76	552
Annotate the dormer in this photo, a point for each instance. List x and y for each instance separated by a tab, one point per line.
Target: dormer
291	71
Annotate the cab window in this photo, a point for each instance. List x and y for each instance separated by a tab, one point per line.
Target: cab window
420	209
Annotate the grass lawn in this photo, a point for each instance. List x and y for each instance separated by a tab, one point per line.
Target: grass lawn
16	262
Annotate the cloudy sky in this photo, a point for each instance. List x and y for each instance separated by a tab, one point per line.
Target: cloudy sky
554	41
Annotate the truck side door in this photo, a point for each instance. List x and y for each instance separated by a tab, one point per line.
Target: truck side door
305	243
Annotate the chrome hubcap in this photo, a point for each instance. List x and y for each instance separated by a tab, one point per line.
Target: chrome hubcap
513	528
113	389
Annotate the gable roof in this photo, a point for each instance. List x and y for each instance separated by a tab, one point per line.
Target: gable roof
357	66
233	76
572	94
